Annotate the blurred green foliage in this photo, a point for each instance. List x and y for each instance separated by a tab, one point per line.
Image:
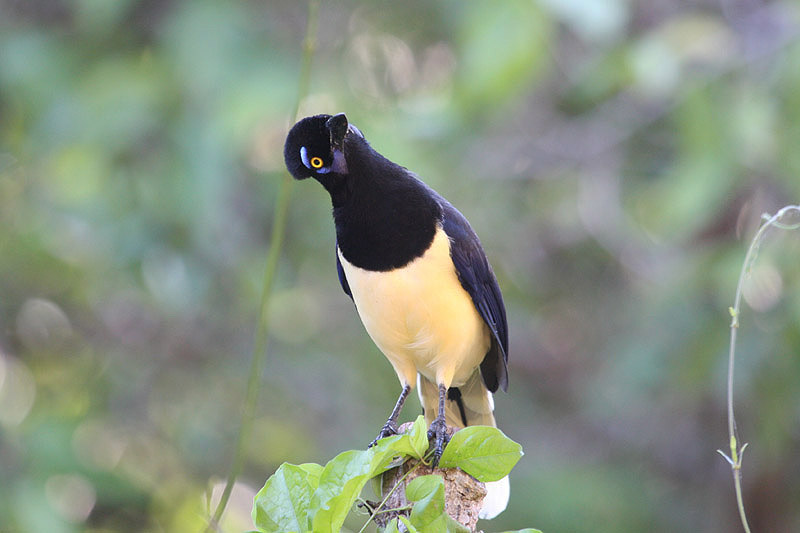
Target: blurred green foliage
614	156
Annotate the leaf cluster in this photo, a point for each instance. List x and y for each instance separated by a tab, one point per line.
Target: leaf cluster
312	497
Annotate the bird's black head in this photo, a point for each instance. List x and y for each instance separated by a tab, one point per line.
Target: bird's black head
314	147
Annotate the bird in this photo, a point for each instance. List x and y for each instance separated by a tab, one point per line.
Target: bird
419	278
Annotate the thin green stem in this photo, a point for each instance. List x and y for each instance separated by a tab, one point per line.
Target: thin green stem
735	458
259	356
403	508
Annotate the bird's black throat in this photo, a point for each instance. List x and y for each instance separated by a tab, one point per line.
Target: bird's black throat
385	217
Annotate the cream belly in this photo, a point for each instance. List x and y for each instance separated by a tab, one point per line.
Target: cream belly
421	317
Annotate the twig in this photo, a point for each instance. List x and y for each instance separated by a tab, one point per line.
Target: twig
276	239
735	458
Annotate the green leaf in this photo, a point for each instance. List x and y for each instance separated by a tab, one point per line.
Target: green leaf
342	480
284	503
428	513
484	452
413	443
418	438
429	488
340	484
314	471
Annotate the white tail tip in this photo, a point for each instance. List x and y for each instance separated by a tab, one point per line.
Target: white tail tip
497	494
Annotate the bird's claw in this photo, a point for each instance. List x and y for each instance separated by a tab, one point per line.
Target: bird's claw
437	432
387	430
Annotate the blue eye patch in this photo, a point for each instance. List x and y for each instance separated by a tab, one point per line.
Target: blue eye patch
319	169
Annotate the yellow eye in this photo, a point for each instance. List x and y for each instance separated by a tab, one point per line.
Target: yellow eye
316	162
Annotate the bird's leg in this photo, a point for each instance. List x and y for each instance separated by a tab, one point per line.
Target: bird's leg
390	427
438	429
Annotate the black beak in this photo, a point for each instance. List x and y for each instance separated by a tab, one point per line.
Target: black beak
337	126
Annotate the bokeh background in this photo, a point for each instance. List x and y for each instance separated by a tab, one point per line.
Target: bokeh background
614	156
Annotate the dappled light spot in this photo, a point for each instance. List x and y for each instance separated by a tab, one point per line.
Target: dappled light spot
166	276
594	20
763	288
42	325
17	391
75	240
71	495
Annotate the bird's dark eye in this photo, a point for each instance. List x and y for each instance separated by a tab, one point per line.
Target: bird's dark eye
316	162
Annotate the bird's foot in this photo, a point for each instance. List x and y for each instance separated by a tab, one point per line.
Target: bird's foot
437	433
388	429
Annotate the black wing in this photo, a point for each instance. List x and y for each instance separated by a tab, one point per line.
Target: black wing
342	277
477	278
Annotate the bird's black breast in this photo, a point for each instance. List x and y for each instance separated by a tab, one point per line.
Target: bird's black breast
388	218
